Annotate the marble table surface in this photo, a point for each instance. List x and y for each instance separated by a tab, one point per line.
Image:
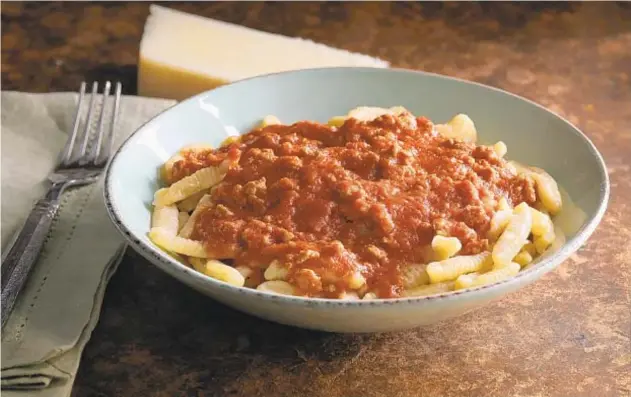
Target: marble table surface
566	335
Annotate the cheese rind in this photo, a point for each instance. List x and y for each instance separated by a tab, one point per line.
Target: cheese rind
183	54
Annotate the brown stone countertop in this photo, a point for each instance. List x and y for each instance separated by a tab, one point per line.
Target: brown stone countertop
567	335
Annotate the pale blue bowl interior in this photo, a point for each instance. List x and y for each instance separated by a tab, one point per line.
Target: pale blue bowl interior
533	135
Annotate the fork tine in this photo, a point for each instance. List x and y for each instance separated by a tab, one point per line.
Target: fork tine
110	135
88	122
66	156
96	149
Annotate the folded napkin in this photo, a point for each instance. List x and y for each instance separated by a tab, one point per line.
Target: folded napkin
60	304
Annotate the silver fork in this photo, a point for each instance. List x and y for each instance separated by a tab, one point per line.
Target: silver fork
81	161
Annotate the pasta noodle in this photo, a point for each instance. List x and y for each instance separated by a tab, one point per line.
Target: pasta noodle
187	229
337	121
349	296
245	271
430	289
182	218
166	217
369	296
367	113
543	242
166	169
190	203
503	204
547	190
270	120
460	127
499	222
230	140
450	269
510	239
275	271
170	242
219	271
414	275
513	237
277	287
445	247
500	148
541	223
523	258
356	281
476	280
200	180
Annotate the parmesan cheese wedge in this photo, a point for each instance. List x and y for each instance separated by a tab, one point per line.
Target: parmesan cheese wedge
183	54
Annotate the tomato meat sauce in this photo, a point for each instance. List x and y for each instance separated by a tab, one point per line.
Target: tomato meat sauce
367	197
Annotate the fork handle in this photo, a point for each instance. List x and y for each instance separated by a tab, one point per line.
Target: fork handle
18	262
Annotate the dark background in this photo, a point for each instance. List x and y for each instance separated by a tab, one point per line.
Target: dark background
566	335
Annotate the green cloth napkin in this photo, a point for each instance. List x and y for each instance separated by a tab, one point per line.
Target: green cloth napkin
60	304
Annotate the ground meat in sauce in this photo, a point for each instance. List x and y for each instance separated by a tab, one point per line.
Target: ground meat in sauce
365	197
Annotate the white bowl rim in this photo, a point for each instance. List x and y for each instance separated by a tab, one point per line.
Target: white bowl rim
162	260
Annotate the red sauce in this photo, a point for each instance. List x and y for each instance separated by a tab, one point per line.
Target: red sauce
365	197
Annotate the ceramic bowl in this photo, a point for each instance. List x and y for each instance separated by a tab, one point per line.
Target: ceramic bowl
534	136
